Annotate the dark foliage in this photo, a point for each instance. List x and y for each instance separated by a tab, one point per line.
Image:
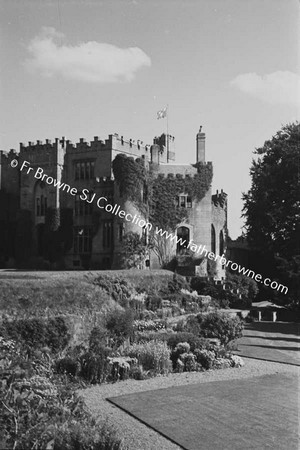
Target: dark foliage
120	325
190	338
271	209
37	333
221	326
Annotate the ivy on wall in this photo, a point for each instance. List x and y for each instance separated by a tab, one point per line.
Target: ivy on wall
162	192
130	175
164	212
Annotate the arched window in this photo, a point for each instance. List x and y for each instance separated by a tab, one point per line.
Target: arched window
183	235
40	200
221	243
213	239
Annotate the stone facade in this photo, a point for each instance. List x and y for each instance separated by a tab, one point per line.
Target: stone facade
50	170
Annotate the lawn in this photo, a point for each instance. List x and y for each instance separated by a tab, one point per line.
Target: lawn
255	413
271	341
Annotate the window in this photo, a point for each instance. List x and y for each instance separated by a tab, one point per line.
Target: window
82	207
107	233
84	170
144	235
183	234
213	239
41	205
82	239
184	201
121	231
221	243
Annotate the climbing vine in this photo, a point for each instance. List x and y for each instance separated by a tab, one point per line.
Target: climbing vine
164	211
161	193
130	175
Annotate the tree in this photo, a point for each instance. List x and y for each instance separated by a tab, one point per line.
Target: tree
272	208
134	250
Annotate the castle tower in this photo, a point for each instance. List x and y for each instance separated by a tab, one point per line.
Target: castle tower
200	146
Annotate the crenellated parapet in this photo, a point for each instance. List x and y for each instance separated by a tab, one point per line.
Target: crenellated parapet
7	157
42	146
219	198
178	176
108	181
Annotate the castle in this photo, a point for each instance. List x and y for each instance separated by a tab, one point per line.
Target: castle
69	182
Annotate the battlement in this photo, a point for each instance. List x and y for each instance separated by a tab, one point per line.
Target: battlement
105	180
219	198
40	145
178	176
8	156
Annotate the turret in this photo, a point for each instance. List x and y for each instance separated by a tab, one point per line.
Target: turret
200	146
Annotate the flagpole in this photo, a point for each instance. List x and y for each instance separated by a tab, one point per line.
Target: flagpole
167	131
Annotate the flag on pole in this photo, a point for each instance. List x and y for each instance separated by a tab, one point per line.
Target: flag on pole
162	113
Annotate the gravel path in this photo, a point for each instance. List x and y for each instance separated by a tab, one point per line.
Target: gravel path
138	436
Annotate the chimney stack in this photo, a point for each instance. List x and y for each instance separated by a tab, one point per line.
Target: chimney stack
200	145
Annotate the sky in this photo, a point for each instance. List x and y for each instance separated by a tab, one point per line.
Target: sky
93	68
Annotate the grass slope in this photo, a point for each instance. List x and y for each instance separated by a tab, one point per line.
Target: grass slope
67	291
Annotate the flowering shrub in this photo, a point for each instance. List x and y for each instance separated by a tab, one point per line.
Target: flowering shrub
221	363
149	325
236	361
193	294
153	356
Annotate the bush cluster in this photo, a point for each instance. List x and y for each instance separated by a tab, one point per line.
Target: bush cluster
118	288
149	325
37	333
239	290
153	356
41	411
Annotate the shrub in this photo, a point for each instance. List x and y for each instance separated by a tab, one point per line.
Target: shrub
236	361
40	411
95	367
120	325
86	435
147	336
97	339
68	365
189	361
191	339
192	325
121	367
152	356
118	288
221	326
221	363
149	325
177	284
205	358
181	348
153	302
37	333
